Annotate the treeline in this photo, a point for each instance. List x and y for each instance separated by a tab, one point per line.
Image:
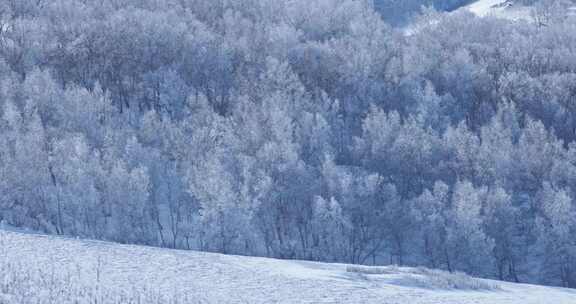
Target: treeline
294	129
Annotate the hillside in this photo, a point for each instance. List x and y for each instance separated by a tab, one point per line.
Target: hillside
527	10
402	12
302	129
500	8
67	270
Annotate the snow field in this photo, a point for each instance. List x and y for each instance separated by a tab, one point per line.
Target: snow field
44	269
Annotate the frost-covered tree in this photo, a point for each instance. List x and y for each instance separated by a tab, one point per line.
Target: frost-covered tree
556	236
467	245
330	228
432	209
504	225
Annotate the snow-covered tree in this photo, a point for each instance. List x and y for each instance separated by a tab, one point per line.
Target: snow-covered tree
556	236
468	247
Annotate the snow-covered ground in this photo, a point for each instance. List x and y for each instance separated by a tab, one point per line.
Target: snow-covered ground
482	8
500	8
32	265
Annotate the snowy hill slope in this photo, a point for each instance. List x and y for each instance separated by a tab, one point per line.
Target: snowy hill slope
44	269
500	8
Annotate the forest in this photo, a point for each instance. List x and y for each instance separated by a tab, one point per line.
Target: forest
302	129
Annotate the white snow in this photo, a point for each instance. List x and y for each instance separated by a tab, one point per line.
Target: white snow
215	278
500	8
484	7
481	8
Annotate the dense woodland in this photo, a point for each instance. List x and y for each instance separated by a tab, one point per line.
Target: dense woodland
306	129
